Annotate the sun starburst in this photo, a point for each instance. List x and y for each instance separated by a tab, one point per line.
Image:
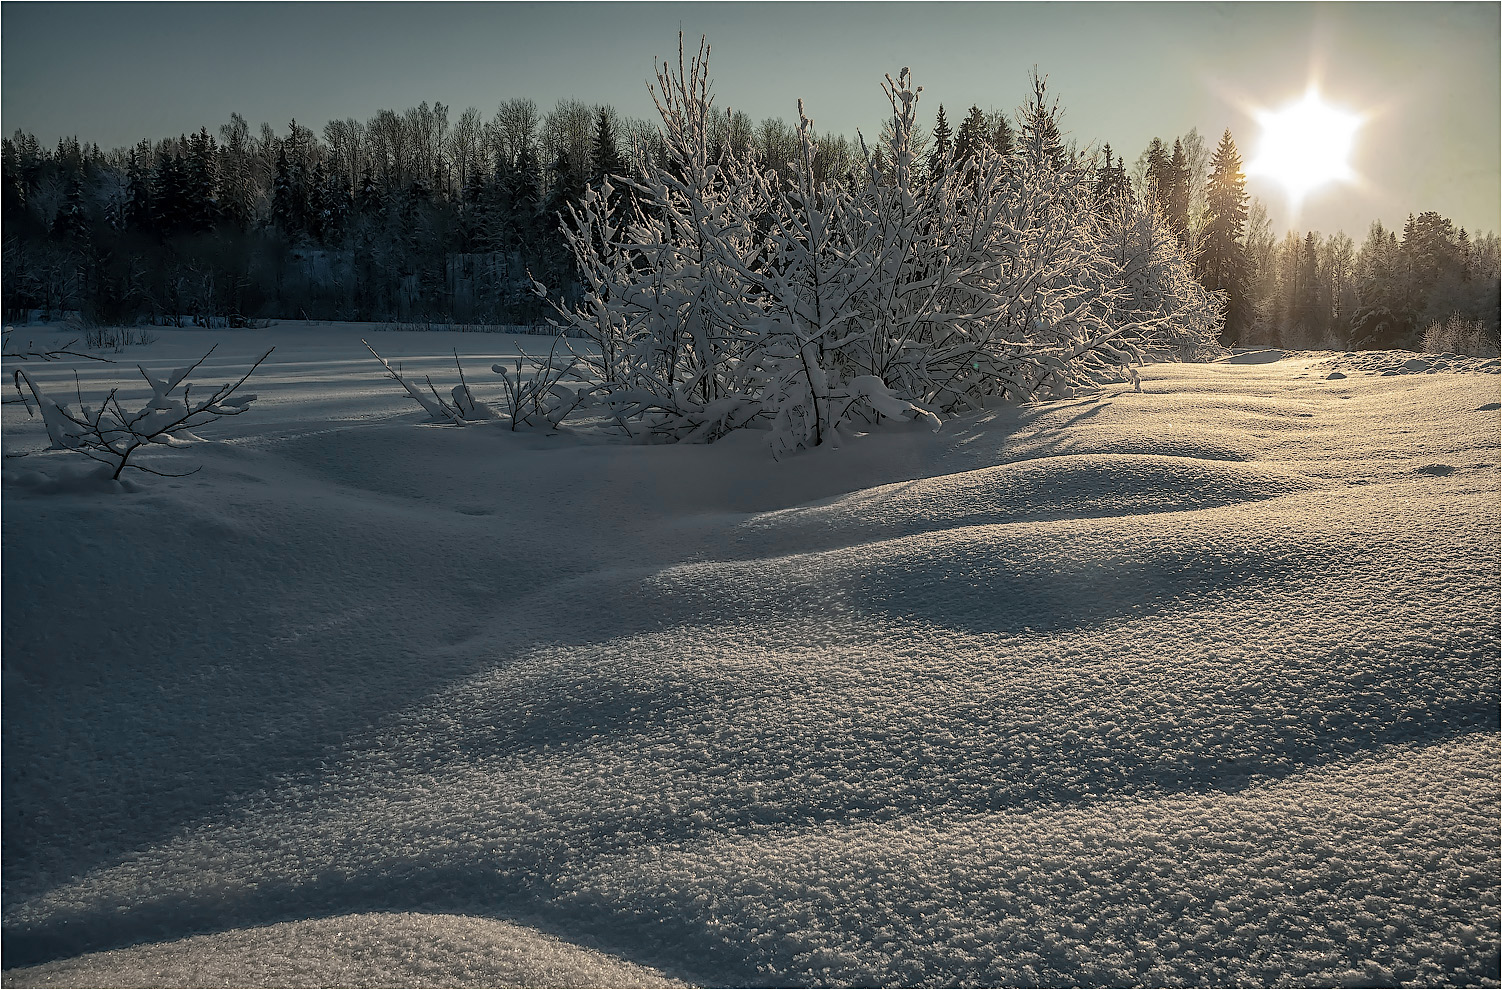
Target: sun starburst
1306	145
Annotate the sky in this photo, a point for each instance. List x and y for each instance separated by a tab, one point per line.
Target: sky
1424	76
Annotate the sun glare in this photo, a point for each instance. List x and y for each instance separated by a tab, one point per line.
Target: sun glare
1306	145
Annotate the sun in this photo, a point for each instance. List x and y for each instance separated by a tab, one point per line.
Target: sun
1306	145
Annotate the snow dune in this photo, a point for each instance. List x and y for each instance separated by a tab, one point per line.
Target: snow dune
1192	686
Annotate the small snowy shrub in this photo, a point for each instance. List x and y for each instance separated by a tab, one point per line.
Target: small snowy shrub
116	338
541	400
1458	335
110	435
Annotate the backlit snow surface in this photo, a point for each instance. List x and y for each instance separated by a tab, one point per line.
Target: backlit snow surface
1192	686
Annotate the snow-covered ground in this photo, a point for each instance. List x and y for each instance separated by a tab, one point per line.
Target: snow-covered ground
1197	685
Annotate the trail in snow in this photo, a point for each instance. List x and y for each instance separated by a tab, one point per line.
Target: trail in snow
1194	685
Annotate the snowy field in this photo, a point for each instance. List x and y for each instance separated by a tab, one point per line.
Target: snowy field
1197	685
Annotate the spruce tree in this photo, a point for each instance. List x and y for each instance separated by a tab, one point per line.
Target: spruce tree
1002	137
318	211
286	207
168	205
137	192
10	178
72	218
604	155
1175	199
1040	128
972	136
336	202
1310	320
237	186
1222	263
939	155
200	182
369	202
1103	179
566	186
523	198
1156	176
475	201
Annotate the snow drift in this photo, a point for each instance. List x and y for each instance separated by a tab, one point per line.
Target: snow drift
1192	685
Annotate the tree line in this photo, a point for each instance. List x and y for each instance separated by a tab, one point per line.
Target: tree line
407	216
1318	291
413	216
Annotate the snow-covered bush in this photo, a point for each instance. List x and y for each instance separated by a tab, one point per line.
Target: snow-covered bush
719	292
108	434
993	282
539	400
664	301
1458	335
1179	317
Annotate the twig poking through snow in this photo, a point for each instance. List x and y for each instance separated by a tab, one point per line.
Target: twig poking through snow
111	436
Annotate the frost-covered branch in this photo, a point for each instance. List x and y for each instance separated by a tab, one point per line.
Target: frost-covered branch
108	434
31	352
537	400
432	403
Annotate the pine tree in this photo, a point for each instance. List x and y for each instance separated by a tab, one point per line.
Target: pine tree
1222	263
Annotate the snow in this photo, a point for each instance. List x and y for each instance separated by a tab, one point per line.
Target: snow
1409	363
1197	685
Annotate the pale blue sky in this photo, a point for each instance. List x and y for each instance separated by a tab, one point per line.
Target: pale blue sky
114	73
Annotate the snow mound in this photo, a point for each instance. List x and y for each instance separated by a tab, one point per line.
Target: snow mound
1192	686
58	474
1261	355
1389	363
1058	487
363	950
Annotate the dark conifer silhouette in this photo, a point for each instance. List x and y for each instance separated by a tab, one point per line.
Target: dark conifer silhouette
1222	261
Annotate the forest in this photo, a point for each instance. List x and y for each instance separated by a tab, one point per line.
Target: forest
417	218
